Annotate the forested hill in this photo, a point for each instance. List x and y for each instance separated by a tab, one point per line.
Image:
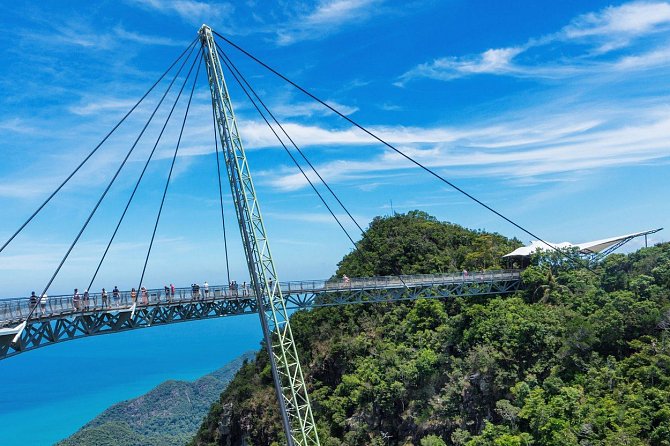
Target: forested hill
578	357
168	415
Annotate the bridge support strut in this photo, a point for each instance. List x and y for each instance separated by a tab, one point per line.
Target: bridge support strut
288	378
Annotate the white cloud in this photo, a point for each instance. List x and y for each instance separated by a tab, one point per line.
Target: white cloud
146	39
597	33
493	61
191	11
16	125
539	146
90	106
619	24
326	18
308	109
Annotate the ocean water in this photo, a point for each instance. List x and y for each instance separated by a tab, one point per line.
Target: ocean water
49	393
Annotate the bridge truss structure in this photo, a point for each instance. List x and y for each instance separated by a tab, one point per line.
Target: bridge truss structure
60	320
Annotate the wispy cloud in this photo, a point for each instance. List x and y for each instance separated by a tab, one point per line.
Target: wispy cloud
146	39
585	40
309	109
90	106
616	26
16	125
327	17
539	146
191	11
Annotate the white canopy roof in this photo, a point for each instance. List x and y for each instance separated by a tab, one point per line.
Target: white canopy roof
584	248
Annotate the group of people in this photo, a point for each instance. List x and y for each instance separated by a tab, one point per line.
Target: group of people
82	302
41	301
85	301
195	290
234	288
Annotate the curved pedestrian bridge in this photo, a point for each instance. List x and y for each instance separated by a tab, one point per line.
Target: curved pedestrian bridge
62	318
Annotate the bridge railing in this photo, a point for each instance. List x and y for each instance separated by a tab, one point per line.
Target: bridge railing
18	309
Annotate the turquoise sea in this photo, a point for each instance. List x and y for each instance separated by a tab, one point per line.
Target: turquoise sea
49	393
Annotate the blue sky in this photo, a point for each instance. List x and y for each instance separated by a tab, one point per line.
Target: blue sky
555	114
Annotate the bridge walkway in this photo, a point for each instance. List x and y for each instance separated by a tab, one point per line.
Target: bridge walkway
62	318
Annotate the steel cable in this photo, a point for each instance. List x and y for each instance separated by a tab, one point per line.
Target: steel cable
174	158
289	153
218	172
226	61
104	194
146	165
290	139
399	152
95	149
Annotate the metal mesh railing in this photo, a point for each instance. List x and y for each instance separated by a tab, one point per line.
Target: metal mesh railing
17	309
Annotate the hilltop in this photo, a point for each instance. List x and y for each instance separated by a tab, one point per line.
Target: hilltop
578	357
168	415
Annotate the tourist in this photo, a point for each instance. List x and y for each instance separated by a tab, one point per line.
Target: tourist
105	303
43	304
171	292
116	295
33	301
75	299
166	289
145	296
245	292
86	302
206	286
133	296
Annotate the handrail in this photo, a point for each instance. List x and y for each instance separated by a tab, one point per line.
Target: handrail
17	309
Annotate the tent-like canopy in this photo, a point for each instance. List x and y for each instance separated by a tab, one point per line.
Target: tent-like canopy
597	246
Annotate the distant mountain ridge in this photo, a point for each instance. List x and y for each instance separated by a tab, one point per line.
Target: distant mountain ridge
168	415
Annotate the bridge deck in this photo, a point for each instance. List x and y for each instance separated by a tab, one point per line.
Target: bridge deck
62	318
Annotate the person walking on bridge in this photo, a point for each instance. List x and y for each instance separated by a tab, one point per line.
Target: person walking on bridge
33	301
43	304
116	296
75	299
206	287
133	296
105	300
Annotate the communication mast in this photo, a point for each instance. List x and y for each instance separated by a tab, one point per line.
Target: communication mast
289	381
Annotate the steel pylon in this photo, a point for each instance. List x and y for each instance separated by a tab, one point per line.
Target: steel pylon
294	405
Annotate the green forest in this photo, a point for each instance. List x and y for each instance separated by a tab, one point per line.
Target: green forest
579	356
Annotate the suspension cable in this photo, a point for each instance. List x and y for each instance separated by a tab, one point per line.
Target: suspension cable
218	172
304	157
146	165
357	251
104	194
96	148
167	183
288	151
398	151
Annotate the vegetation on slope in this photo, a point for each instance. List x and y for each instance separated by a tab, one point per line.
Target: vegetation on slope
168	415
576	358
